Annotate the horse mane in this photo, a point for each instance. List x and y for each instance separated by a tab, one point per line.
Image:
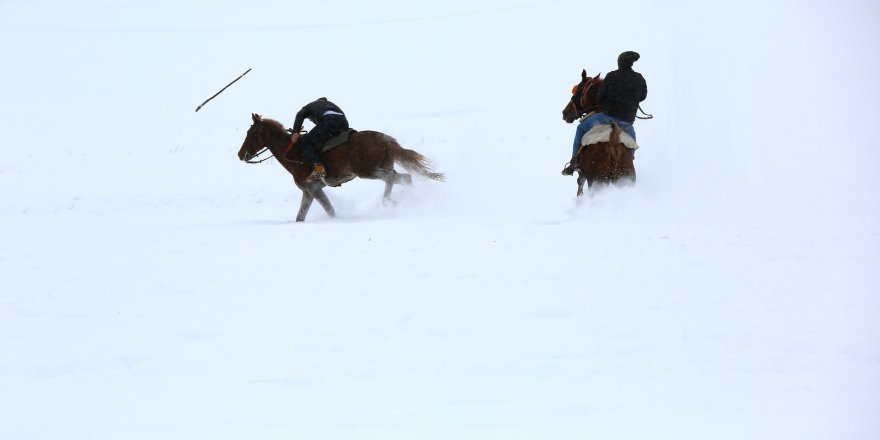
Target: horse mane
274	124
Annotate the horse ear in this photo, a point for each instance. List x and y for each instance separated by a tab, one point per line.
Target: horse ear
255	117
584	75
599	76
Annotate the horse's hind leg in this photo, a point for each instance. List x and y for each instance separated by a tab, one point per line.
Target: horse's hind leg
390	177
402	178
324	201
386	197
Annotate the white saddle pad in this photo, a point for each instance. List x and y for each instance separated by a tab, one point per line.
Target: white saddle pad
602	133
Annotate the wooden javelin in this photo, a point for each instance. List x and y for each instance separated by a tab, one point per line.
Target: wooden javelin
221	90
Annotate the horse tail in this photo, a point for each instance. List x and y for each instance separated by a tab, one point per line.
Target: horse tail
414	162
614	146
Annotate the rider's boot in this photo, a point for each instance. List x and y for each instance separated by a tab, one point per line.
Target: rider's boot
317	173
571	167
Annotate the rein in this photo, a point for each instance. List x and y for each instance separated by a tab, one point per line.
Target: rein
290	147
251	160
581	98
287	150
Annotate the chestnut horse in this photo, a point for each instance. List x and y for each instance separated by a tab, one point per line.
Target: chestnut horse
603	162
367	154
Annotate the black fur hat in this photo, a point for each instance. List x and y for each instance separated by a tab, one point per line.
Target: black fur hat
626	59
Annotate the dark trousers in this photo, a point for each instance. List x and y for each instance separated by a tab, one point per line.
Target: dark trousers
330	126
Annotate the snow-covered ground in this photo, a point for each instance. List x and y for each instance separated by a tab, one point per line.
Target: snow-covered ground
154	287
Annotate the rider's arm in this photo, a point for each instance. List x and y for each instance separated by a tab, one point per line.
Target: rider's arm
644	90
301	115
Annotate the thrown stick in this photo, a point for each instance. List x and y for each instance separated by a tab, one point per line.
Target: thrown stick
221	90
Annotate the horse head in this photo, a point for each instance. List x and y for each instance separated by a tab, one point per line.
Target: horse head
264	134
584	98
253	141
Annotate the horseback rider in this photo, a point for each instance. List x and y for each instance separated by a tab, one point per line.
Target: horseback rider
621	92
329	121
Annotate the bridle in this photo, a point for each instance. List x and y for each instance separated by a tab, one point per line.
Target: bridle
579	97
265	149
251	159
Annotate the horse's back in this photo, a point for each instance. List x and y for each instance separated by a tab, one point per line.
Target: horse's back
376	138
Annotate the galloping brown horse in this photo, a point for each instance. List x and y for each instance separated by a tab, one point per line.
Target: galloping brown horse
367	154
603	162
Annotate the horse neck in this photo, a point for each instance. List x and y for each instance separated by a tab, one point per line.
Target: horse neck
277	142
594	103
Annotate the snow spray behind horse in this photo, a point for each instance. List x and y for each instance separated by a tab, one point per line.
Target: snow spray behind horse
606	156
367	154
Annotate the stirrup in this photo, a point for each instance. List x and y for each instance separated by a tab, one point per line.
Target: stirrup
570	168
315	176
319	173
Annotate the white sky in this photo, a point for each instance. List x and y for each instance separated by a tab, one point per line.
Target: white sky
732	291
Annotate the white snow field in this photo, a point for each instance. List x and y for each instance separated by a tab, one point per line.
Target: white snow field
154	287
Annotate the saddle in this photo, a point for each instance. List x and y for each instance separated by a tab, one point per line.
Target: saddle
335	141
602	133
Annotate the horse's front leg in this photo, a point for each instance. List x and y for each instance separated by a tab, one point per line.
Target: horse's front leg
304	206
319	194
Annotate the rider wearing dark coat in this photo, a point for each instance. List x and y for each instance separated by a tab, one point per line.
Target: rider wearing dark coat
623	89
329	121
621	92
